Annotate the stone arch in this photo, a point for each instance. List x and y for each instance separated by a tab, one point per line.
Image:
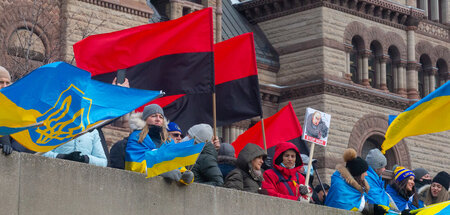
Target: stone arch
424	47
442	52
375	34
374	124
354	29
393	39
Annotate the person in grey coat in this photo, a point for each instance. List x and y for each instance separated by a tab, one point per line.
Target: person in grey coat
248	175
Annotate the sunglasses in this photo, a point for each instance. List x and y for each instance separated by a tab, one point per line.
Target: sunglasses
177	135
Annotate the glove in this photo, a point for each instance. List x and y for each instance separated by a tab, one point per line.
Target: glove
172	175
378	210
406	212
303	189
187	177
74	156
7	149
263	191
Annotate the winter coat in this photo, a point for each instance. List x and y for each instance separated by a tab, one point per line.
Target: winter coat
293	177
206	169
425	190
117	154
345	193
226	159
135	151
88	144
400	202
317	131
377	194
241	177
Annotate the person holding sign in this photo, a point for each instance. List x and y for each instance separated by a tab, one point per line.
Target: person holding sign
284	179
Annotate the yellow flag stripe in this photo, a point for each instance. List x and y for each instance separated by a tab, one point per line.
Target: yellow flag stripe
136	166
167	166
14	116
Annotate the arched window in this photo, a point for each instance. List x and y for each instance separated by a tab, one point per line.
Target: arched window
374	64
392	70
423	77
356	59
26	44
373	142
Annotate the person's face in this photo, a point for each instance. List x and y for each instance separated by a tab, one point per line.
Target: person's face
380	171
289	158
426	177
4	82
316	119
155	119
176	136
410	184
435	189
257	163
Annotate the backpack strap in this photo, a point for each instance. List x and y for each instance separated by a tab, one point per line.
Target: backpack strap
282	179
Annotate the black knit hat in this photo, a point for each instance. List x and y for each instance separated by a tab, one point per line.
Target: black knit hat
443	179
355	165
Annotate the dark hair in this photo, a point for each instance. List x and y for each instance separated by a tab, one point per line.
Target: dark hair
400	187
298	159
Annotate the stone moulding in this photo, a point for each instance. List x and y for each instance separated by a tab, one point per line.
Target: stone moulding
345	90
142	12
388	13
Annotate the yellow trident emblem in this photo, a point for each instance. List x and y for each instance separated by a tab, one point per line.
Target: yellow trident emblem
54	128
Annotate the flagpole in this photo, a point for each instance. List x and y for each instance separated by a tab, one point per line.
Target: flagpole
263	134
214	115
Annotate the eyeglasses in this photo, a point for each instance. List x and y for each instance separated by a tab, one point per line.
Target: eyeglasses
176	135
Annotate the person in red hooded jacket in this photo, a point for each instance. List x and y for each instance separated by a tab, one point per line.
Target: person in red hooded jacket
284	179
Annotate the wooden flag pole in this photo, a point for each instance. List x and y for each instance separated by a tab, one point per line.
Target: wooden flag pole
264	134
214	115
311	153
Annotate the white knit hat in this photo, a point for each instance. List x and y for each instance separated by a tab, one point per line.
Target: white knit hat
4	73
201	133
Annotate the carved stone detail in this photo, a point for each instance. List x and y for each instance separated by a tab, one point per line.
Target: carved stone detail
434	30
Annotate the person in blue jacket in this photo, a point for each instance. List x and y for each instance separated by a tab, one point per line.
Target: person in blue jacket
86	148
403	191
377	165
349	188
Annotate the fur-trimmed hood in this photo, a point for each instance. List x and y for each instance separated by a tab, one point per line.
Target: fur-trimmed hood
348	178
422	191
136	121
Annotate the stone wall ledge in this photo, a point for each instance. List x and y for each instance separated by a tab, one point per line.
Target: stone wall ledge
32	184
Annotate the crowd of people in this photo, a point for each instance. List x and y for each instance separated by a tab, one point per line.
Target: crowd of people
356	185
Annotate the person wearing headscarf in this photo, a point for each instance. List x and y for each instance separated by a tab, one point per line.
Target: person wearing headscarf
248	175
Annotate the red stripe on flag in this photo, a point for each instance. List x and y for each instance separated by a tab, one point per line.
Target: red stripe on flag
235	58
164	101
109	52
280	127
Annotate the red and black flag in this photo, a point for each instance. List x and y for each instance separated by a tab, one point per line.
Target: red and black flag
174	56
237	88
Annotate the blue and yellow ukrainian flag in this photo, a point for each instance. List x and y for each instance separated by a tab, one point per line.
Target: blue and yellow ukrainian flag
65	102
442	208
171	156
429	115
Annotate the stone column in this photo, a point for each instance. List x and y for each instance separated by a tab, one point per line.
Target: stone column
365	67
411	67
218	21
383	84
360	69
226	134
174	13
424	6
395	73
348	49
402	78
426	83
445	15
432	73
434	10
377	72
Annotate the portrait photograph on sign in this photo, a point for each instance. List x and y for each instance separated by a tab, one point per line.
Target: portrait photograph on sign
316	126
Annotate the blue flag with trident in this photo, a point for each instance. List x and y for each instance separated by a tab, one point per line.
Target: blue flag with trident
57	102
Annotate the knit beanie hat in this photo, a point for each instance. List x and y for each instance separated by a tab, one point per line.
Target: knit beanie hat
4	73
356	165
420	172
151	109
173	127
202	133
376	159
401	173
443	179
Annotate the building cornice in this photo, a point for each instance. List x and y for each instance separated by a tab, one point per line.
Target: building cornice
388	13
125	6
340	88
